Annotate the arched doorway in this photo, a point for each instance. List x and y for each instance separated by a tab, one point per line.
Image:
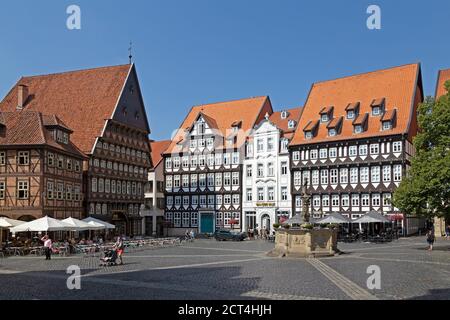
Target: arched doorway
265	222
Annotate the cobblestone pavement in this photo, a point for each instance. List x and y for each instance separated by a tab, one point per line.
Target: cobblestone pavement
207	269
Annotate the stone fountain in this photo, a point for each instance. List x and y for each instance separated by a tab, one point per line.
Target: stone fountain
300	239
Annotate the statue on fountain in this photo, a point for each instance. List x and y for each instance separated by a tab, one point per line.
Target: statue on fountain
306	201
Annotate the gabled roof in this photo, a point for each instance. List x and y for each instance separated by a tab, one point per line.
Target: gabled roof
400	86
82	99
27	128
224	114
443	76
158	148
283	124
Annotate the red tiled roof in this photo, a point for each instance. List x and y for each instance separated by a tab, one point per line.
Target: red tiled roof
283	124
400	86
443	76
389	115
361	119
158	148
27	128
336	122
248	111
311	125
81	99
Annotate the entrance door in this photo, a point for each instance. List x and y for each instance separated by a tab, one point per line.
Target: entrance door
207	223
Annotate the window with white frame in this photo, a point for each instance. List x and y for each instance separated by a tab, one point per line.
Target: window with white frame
296	155
291	124
335	200
194	181
375	174
323	153
169	216
235	158
185	182
308	135
355	200
203	200
236	200
353	151
50	159
178	201
176	162
306	178
227	179
194	201
315	177
376	111
227	199
344	176
226	159
350	114
177	219
202	180
219	159
345	200
284	144
50	190
218	179
23	158
297	178
332	132
358	128
260	145
211	179
313	154
284	168
193	143
107	186
270	144
334	176
169	202
201	143
211	201
260	171
185	202
202	160
333	152
186	219
210	143
324	177
194	161
316	201
365	200
397	172
249	171
249	195
325	201
270	194
176	181
194	219
387	199
397	146
185	162
387	125
298	202
374	149
94	185
363	150
235	178
353	175
364	175
376	200
284	193
260	193
270	169
219	200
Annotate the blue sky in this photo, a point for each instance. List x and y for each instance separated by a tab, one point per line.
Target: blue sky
199	51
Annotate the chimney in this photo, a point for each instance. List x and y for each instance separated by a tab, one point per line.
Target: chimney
22	96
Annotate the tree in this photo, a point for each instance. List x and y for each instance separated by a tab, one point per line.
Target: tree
425	191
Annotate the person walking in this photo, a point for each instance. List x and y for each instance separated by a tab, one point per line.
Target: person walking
48	246
119	247
447	232
430	239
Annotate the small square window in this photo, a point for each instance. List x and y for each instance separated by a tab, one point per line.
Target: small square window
358	129
308	135
350	114
324	118
376	111
387	125
332	132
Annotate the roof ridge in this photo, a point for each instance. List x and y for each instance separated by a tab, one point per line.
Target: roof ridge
366	73
72	71
228	101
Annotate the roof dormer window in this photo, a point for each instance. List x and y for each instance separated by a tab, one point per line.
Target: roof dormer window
291	124
358	129
308	135
378	107
350	114
352	110
387	125
326	114
324	118
284	114
332	132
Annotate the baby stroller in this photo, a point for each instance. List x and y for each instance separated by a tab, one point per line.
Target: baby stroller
109	258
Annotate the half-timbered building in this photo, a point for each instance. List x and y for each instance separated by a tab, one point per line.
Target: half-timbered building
353	144
40	168
203	165
105	110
